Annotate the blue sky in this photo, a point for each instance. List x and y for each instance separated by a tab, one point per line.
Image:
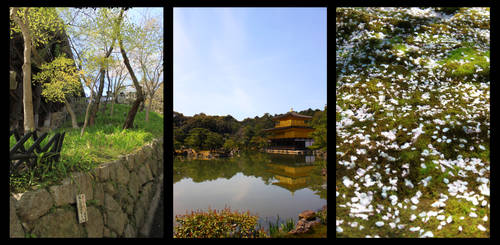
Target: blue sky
248	61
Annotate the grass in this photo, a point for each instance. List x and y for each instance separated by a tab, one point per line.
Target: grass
466	62
278	228
429	74
103	142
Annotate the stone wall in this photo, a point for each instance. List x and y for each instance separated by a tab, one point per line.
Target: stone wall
118	195
79	106
57	118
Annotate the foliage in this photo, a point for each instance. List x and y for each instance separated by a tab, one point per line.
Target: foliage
63	79
319	123
259	142
43	24
217	224
202	139
197	137
37	25
322	215
247	134
213	141
229	144
92	31
187	130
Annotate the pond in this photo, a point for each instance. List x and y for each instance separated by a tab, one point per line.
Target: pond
267	185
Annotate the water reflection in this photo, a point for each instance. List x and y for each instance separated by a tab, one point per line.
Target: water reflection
264	184
310	159
292	178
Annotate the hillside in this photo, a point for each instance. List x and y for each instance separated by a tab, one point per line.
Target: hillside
226	131
104	142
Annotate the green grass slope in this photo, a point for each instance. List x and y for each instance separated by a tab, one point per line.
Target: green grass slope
103	142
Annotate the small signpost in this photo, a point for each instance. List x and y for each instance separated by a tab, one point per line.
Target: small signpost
81	208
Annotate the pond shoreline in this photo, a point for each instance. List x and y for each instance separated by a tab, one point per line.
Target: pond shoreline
211	154
311	224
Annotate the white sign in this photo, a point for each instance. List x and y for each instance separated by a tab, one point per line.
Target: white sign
81	207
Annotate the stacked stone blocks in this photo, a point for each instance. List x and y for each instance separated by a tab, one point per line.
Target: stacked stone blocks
118	196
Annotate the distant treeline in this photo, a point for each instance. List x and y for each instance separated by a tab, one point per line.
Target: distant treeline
204	132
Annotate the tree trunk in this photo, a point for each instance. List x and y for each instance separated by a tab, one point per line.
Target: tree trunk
95	106
110	93
129	121
107	92
148	108
85	122
141	107
112	106
29	121
71	113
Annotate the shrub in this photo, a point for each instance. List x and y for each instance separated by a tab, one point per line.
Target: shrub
217	224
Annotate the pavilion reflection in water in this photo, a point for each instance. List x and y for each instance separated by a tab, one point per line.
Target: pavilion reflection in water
292	172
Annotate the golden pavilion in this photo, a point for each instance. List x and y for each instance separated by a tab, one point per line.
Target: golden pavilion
290	134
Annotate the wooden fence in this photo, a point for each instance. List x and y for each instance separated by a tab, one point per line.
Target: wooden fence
18	154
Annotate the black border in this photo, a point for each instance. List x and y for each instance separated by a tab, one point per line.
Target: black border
420	3
168	72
